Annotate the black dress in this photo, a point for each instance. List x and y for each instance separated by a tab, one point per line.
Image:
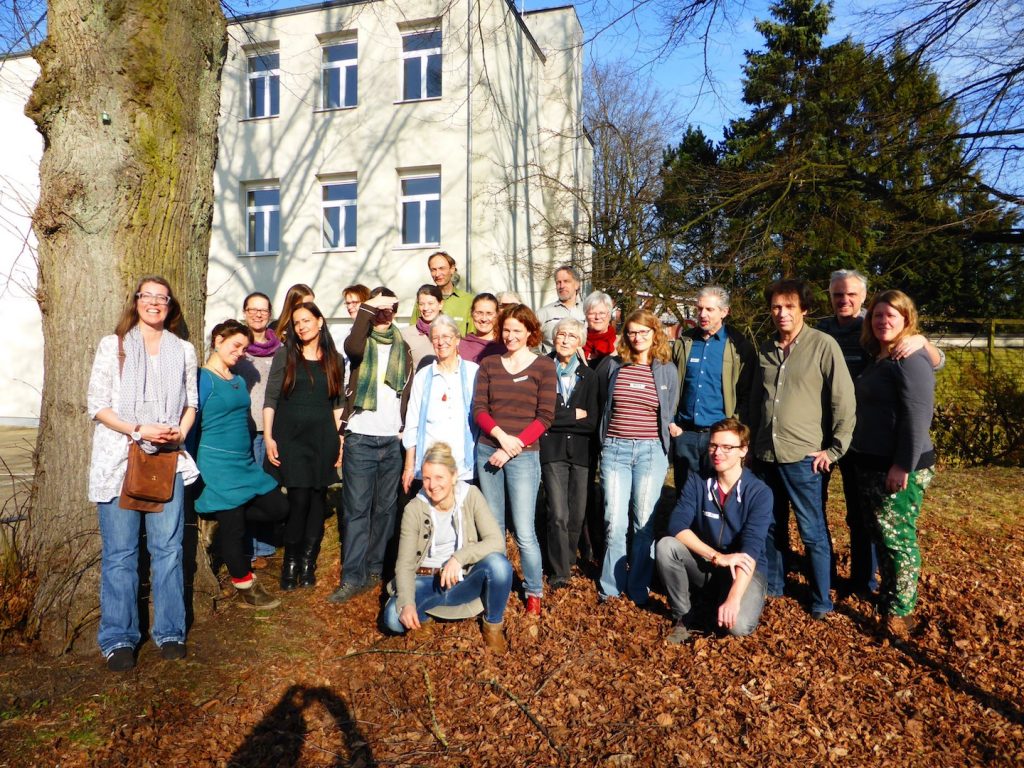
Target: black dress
304	428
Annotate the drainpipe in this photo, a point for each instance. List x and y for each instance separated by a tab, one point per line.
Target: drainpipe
469	143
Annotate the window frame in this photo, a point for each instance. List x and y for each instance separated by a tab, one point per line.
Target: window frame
342	67
267	212
271	78
422	201
343	206
424	55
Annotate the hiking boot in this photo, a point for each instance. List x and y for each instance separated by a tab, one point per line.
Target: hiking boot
121	660
173	651
679	635
256	597
345	592
494	637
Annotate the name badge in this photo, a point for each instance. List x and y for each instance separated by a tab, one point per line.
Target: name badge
520	378
694	359
637	385
712	515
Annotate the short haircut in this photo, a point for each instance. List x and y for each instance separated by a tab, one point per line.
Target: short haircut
382	290
848	274
597	298
788	286
443	321
429	289
508	297
572	324
449	259
256	295
718	292
524	315
357	289
570	269
732	424
485	297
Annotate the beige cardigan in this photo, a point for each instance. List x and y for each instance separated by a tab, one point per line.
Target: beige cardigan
481	535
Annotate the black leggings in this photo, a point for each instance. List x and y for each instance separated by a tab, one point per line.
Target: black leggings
265	508
307	508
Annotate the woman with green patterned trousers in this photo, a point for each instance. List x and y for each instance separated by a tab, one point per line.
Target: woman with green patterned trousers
893	452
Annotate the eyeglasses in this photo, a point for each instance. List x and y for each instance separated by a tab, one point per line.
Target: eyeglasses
448	338
153	298
640	334
566	336
725	450
255	311
353	303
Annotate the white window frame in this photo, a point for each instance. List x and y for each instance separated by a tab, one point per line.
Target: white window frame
344	206
267	212
342	66
421	202
424	57
268	76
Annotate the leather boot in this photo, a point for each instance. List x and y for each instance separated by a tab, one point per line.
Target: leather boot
494	637
290	568
307	562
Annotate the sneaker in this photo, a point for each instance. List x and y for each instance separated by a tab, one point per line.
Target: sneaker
173	651
256	597
121	660
679	635
345	592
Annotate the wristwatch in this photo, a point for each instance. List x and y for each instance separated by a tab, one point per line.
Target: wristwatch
137	433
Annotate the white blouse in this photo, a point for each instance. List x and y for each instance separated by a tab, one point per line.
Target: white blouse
109	448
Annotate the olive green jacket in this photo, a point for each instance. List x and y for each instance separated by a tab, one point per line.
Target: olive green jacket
739	367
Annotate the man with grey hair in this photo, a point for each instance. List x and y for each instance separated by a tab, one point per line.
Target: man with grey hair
716	367
848	290
567	285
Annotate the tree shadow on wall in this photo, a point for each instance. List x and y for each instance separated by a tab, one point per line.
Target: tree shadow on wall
278	739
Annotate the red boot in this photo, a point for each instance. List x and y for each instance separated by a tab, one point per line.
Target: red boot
533	606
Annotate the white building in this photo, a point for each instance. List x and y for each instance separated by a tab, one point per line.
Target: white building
357	137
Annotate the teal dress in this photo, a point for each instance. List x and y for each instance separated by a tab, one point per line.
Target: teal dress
231	476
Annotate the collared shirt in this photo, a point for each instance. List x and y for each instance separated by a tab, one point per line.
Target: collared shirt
549	316
807	399
702	403
458	305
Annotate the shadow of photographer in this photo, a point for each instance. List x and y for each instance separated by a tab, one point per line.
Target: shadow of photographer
278	739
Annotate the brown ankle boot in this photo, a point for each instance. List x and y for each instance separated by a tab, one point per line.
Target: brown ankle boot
494	637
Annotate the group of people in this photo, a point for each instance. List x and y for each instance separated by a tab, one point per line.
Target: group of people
481	406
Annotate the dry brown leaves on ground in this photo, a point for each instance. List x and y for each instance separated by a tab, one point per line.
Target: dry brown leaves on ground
314	684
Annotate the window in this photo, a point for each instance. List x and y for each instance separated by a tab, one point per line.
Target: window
421	62
264	85
421	209
338	76
263	209
339	206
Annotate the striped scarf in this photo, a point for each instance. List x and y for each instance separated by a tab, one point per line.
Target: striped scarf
396	375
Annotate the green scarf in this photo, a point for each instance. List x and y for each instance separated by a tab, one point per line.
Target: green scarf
395	376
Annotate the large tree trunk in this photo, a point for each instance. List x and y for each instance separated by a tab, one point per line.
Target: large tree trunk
127	102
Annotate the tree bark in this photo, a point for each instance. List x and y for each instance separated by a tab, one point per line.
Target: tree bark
127	102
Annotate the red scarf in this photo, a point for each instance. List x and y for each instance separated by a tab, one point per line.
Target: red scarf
599	344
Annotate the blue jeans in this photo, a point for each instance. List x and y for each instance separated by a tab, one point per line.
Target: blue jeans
690	454
632	473
520	477
799	485
119	572
372	474
490	580
259	542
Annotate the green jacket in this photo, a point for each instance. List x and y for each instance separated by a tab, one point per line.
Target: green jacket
739	367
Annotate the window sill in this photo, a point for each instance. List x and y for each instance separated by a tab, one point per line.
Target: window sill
245	254
328	251
328	110
419	101
415	246
258	119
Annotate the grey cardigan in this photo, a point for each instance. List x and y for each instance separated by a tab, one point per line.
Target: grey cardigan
481	534
666	379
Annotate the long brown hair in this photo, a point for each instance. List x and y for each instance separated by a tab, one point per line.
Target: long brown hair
660	349
130	314
329	359
297	295
903	304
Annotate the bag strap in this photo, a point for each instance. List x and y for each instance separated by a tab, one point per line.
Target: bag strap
120	356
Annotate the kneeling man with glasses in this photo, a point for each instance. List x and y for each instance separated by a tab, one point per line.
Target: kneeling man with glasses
713	562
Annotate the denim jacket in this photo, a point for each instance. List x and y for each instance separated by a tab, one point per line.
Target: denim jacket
666	379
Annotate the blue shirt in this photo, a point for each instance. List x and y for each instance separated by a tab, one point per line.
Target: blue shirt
703	404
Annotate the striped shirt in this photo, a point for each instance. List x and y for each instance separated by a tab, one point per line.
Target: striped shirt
522	404
634	412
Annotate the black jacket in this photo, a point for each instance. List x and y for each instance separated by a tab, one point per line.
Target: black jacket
568	438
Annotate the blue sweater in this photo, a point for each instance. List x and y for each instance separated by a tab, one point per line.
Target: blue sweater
741	526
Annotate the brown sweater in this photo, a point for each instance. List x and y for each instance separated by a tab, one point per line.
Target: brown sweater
523	405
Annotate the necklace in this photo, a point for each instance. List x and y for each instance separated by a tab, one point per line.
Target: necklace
229	379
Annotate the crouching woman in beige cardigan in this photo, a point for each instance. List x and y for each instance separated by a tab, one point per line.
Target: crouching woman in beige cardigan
451	555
